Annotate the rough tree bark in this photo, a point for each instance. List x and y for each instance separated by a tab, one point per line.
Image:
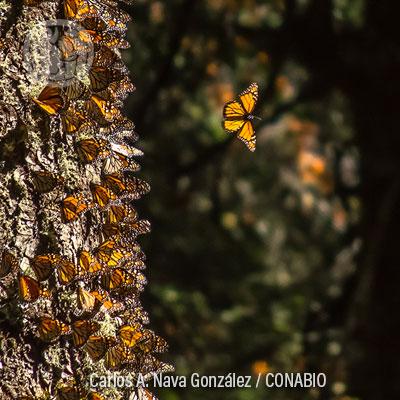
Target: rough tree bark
70	275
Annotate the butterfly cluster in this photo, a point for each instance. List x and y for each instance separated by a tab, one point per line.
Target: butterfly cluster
101	284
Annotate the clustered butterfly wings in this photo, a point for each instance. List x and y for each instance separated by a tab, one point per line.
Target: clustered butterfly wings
106	278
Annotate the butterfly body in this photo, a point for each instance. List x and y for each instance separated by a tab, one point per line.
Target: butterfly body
238	116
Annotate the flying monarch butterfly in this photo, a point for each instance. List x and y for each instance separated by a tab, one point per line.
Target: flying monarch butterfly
8	263
44	265
238	117
87	263
29	289
82	330
91	149
50	329
66	271
73	206
51	99
97	346
115	356
130	334
102	195
110	253
46	181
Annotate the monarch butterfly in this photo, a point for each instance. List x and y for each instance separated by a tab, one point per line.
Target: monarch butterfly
111	39
126	231
136	187
82	330
134	265
118	90
97	346
91	149
73	120
66	271
115	356
79	9
73	206
116	278
44	265
126	150
117	162
101	77
148	364
70	391
119	213
111	254
133	186
135	314
152	343
115	182
29	289
105	57
238	116
101	110
87	263
94	396
51	99
50	329
102	195
75	90
46	181
119	277
85	300
130	334
8	263
71	47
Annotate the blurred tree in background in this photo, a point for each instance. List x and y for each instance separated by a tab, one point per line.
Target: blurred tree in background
281	260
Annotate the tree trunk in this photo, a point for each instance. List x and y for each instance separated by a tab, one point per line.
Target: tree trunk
70	277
